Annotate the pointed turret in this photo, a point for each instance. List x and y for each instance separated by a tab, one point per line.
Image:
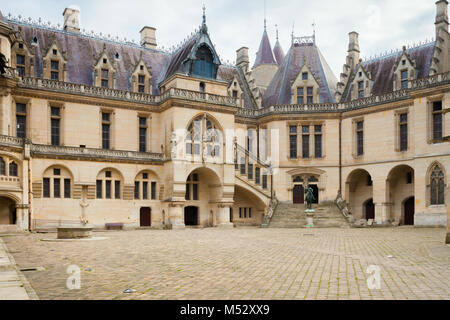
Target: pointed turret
278	51
265	53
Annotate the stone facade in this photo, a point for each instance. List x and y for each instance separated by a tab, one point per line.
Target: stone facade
129	134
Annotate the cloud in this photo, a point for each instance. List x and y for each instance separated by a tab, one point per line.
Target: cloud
382	24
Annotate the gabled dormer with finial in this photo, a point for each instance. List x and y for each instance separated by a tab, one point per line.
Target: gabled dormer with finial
54	62
305	87
141	77
361	86
404	71
104	70
195	64
22	58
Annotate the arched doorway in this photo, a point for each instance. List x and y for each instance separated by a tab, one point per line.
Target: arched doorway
409	212
146	217
399	186
369	209
8	214
358	188
191	216
299	194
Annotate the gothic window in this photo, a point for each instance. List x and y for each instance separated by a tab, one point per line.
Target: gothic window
305	76
21	120
203	65
20	64
309	95
300	93
105	78
199	129
55	119
57	183
360	138
404	79
106	130
54	70
143	134
437	186
145	186
192	187
257	175
360	89
298	179
141	84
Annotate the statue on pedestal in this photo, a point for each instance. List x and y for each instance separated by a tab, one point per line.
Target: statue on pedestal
309	197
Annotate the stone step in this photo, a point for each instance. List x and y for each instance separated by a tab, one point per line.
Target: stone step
9	229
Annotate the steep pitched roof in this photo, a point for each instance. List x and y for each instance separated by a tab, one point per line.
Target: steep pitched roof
265	54
278	52
2	18
81	51
279	90
382	69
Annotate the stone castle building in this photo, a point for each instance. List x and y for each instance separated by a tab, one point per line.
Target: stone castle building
116	132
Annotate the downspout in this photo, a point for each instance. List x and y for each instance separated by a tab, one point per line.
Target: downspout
340	155
29	194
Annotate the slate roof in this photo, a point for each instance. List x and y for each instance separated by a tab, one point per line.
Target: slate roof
81	53
264	54
279	90
278	52
382	69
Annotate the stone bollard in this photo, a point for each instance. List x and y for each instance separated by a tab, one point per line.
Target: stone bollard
310	218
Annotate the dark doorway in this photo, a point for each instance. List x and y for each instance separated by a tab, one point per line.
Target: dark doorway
146	217
409	212
370	210
191	216
231	214
315	192
299	194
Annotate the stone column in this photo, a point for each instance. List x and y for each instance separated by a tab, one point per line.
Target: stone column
223	220
382	205
22	216
176	215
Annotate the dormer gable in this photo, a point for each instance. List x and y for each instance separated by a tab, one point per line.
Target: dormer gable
305	87
235	91
404	71
54	63
21	57
104	70
361	86
141	77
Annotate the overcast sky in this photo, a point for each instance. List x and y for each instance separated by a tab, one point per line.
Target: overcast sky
382	24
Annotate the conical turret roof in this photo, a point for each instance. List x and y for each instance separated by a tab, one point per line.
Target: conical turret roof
278	52
265	54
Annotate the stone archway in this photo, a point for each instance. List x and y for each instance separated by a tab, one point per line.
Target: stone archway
399	186
358	190
8	211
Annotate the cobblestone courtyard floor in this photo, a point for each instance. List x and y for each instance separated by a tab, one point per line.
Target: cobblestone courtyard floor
241	264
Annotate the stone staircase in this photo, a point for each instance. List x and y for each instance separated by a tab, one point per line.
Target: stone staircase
9	229
288	215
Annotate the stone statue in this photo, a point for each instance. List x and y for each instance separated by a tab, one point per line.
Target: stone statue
3	64
309	197
173	142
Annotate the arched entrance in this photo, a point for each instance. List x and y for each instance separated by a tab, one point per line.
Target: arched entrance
369	209
300	183
8	214
408	209
399	186
359	188
191	216
146	217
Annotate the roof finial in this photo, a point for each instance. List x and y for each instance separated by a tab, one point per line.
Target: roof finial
265	16
276	27
314	31
204	27
292	34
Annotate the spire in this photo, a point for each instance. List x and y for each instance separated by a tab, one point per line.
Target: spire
204	27
265	53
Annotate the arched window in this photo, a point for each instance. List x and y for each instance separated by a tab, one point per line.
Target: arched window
109	185
203	65
145	186
437	186
2	167
202	128
57	183
13	169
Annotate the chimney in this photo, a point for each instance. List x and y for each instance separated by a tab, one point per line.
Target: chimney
441	15
242	60
148	37
71	20
353	48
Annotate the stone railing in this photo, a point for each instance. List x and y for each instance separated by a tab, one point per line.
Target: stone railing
106	93
437	79
198	97
71	152
270	211
10	141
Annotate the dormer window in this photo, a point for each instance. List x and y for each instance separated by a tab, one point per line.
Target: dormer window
142	68
235	94
202	87
309	95
305	76
20	45
203	65
20	64
360	74
361	89
105	78
34	41
404	80
105	60
54	72
141	84
117	56
300	93
403	62
55	52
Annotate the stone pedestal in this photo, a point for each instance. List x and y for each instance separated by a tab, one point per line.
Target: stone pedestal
310	218
76	232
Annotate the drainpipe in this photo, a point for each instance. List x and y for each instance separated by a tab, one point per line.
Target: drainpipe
29	194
